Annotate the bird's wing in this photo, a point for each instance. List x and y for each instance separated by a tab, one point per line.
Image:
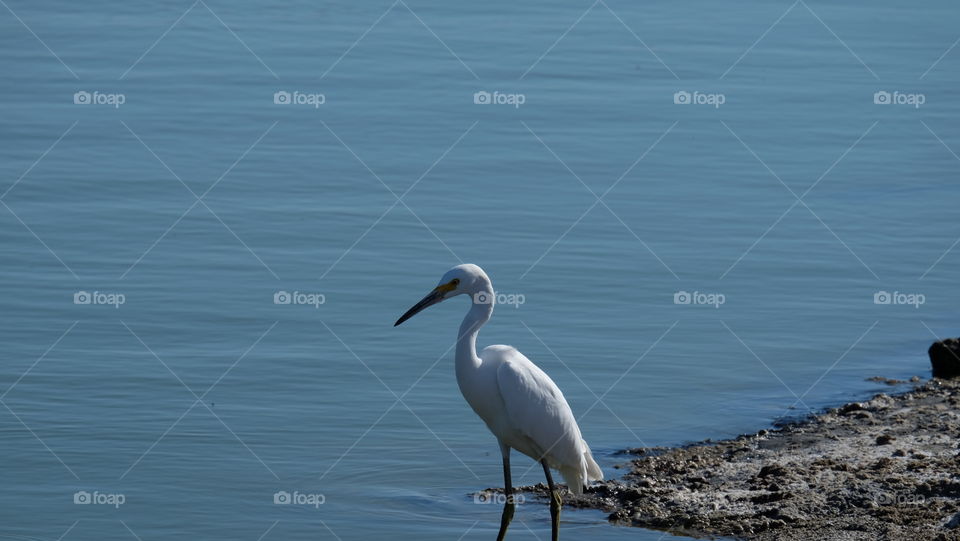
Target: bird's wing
537	409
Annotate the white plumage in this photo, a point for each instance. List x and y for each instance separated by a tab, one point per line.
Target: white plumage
517	400
539	422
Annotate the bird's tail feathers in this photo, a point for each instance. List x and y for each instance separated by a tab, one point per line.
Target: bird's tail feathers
582	474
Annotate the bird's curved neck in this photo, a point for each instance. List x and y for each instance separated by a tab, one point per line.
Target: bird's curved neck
479	313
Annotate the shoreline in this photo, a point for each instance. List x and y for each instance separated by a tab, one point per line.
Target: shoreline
884	468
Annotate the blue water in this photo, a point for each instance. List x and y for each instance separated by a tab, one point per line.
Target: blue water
198	398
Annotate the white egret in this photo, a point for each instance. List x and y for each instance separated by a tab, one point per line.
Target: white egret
517	400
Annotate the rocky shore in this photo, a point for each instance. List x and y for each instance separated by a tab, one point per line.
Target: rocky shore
886	468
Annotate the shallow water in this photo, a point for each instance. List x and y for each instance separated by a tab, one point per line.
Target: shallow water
302	198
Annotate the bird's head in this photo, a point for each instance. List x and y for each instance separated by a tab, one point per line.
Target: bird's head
463	279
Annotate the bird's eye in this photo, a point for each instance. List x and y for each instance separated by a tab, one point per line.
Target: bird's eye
455	282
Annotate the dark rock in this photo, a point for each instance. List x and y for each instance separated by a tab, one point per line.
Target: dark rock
883	463
767	498
850	408
647	482
775	470
885	439
887	381
939	488
945	358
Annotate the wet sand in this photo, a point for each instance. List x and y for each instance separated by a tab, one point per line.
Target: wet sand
886	468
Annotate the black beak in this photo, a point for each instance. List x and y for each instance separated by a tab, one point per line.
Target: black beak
432	298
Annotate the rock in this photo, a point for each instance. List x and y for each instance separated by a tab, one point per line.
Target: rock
763	498
883	463
945	358
646	482
847	409
887	381
696	480
775	470
822	477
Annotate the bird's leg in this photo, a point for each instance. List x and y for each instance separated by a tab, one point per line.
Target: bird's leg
555	503
508	506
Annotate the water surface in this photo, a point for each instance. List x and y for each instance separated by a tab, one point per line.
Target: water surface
199	199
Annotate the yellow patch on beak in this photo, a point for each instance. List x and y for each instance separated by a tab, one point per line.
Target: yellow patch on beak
446	288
